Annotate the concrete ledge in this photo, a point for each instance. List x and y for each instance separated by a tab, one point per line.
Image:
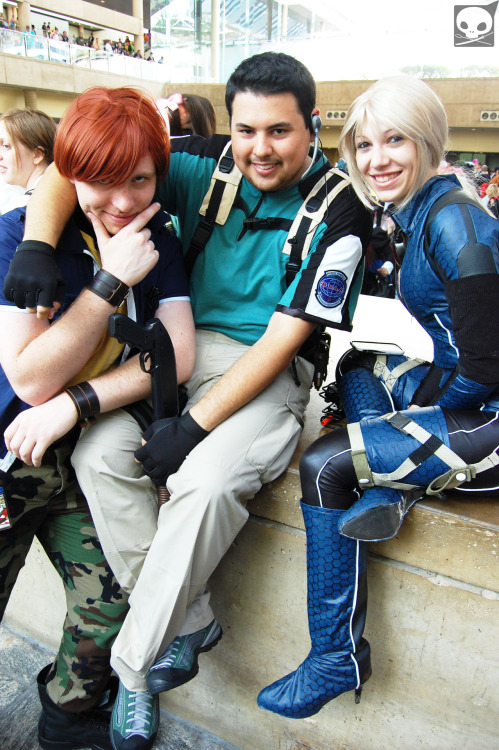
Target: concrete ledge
424	639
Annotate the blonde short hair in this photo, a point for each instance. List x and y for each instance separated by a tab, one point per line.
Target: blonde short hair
407	105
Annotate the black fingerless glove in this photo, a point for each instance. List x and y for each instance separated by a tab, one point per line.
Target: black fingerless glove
169	441
34	277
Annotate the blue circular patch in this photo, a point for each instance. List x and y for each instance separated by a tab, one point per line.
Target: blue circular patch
331	288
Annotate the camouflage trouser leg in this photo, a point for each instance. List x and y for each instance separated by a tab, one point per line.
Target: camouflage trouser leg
48	502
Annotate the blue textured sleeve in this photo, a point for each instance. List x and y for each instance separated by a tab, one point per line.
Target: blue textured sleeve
465	394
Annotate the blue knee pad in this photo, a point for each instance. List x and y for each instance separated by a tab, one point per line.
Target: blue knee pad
363	395
363	391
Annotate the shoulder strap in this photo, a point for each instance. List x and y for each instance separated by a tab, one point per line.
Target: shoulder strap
222	194
216	206
308	218
451	197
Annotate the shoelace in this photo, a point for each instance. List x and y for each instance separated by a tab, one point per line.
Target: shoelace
140	704
169	656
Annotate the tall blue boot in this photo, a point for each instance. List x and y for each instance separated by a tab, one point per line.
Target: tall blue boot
339	659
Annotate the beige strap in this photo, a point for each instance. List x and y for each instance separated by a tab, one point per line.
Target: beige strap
359	458
459	471
315	216
390	377
232	180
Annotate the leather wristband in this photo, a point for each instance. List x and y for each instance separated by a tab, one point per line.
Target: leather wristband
84	398
108	287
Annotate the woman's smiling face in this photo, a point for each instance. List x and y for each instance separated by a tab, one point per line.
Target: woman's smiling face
388	162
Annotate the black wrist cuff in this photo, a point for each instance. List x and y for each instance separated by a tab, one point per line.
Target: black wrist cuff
84	398
39	247
108	287
192	427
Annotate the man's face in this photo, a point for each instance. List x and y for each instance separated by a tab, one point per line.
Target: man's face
117	205
270	141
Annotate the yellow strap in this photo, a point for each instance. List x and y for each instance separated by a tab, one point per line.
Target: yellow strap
108	350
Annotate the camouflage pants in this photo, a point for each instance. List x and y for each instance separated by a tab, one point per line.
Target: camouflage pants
48	503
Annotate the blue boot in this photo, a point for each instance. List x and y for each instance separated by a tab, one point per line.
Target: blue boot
339	659
379	514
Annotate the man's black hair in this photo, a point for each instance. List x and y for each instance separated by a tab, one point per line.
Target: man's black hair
273	73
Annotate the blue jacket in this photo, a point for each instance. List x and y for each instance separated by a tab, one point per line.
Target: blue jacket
454	297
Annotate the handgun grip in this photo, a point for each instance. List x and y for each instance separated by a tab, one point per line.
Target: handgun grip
163	495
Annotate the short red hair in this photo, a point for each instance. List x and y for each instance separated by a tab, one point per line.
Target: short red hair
105	132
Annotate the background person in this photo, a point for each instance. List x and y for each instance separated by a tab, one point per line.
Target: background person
188	114
491	199
393	140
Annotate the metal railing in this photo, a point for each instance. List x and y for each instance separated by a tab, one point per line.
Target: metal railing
39	48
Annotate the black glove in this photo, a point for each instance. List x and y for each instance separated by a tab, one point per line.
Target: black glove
169	441
34	277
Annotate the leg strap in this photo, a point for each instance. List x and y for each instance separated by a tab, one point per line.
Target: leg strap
390	377
459	471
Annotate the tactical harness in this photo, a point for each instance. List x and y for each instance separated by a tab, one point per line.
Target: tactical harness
223	195
459	471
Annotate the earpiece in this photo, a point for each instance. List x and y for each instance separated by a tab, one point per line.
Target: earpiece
316	124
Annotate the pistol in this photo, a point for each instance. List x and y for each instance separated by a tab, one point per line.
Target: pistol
157	358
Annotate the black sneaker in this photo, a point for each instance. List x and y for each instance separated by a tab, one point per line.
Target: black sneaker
179	663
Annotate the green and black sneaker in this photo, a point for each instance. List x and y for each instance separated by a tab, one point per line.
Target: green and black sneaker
179	663
135	720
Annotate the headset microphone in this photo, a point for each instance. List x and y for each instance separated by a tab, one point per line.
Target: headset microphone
316	126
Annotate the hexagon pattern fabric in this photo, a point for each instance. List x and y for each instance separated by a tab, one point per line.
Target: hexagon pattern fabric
331	668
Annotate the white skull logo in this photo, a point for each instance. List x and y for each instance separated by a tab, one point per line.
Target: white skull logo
474	22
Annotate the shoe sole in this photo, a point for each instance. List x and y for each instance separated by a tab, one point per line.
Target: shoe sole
381	523
157	685
374	526
67	745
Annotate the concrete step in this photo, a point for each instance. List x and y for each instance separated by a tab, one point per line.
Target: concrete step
432	623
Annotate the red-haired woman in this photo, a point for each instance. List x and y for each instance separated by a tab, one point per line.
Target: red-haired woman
115	254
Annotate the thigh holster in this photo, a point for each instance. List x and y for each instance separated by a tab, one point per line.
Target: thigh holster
407	450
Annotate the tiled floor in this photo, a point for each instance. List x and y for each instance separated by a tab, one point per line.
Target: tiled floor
20	661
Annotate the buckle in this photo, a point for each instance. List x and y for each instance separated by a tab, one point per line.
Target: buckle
226	164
